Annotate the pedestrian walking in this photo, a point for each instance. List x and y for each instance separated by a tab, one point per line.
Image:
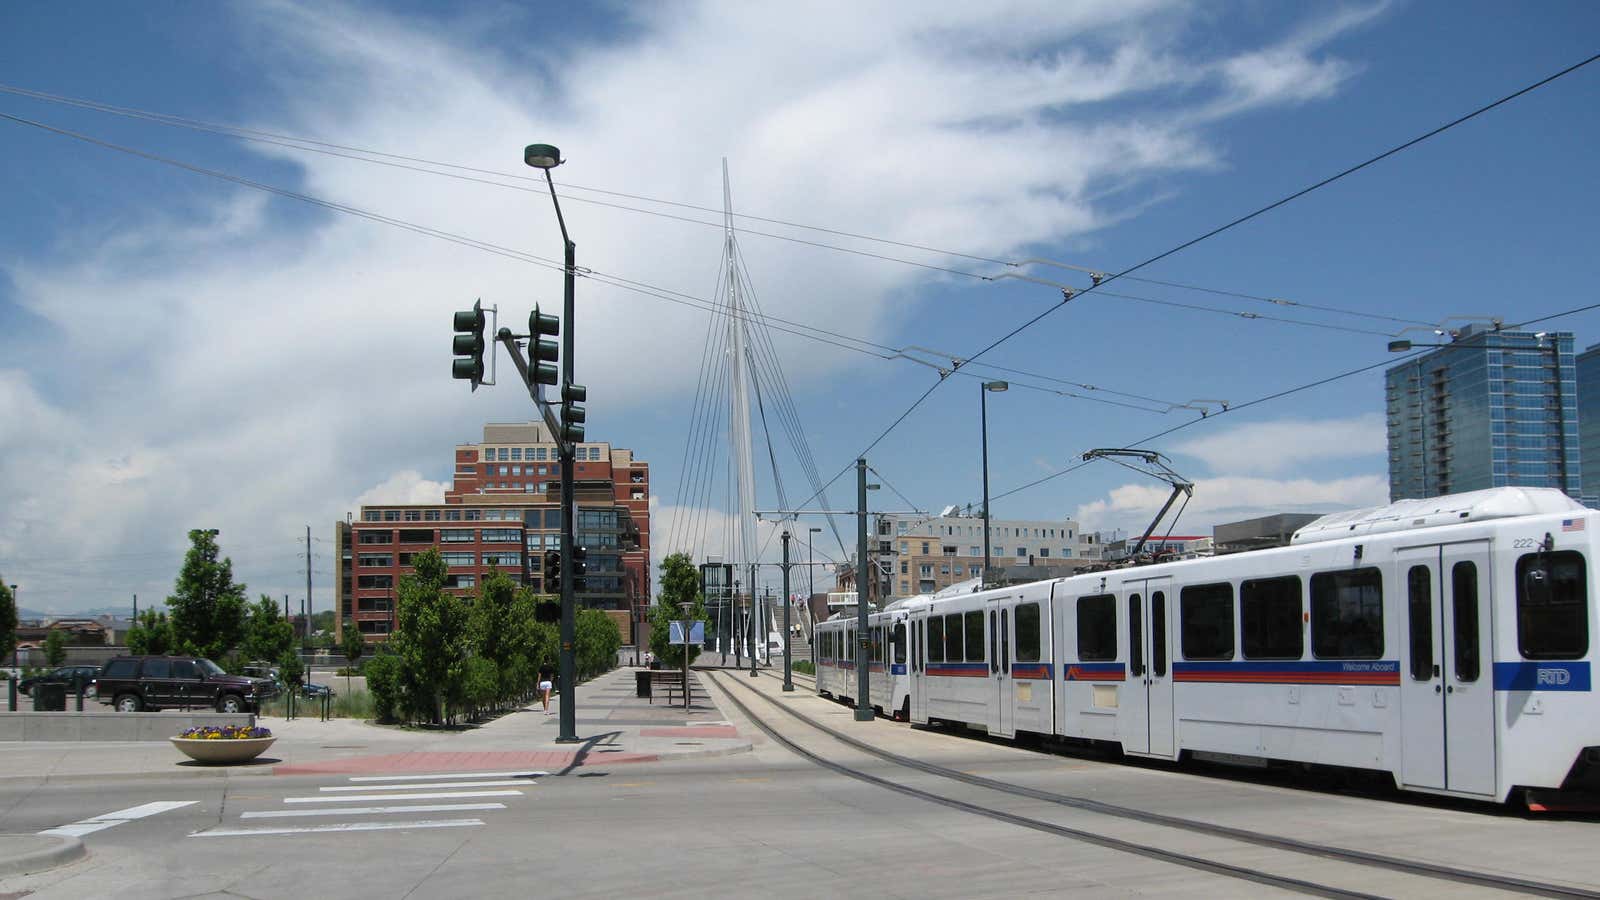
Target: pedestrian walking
547	678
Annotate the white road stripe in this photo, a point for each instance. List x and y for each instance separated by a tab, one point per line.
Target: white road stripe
530	774
507	782
341	826
371	810
100	823
441	795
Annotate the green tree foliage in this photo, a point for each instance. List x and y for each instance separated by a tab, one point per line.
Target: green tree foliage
492	636
354	647
267	634
597	641
152	635
291	669
680	583
431	639
383	683
8	620
481	684
208	608
55	647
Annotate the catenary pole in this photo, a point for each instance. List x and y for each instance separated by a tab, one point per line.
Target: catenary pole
863	636
788	633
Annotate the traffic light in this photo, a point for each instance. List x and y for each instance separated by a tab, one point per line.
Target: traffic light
573	415
468	345
579	567
544	352
552	570
549	613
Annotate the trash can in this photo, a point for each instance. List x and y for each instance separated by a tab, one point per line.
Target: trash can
641	683
50	697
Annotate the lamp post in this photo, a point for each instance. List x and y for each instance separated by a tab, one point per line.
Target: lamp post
811	588
546	157
983	416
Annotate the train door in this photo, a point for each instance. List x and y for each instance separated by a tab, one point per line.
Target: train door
918	662
1147	713
999	699
1446	693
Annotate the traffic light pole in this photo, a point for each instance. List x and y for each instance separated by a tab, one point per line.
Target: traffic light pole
569	613
863	583
788	632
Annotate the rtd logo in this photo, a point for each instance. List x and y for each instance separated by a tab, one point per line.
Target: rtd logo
1555	676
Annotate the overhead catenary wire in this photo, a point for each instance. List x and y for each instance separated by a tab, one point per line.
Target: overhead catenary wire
1234	223
535	185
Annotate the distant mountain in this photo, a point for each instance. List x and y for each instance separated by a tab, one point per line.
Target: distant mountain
119	611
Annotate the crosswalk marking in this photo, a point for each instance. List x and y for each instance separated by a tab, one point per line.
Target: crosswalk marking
370	810
528	774
99	823
340	826
439	795
505	782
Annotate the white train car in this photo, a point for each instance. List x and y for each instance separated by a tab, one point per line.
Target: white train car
889	689
1445	641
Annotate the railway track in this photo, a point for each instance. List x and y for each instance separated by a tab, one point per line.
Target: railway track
1416	868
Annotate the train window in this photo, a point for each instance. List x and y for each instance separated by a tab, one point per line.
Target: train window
975	636
1419	594
1158	631
900	643
1028	632
1464	606
935	628
1135	636
1269	616
1347	614
952	639
1097	628
1205	612
1552	612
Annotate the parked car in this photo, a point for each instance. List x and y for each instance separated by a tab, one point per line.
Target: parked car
312	691
135	683
71	676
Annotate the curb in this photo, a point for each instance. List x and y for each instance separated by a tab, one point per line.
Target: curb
44	852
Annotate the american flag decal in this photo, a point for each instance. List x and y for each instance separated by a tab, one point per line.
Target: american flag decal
1572	524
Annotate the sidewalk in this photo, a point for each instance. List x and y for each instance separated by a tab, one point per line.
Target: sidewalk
613	725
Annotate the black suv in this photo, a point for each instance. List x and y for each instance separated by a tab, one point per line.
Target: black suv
71	676
135	683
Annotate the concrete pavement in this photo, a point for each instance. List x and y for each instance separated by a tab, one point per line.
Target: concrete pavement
614	726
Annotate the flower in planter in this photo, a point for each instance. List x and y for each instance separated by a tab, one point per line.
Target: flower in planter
224	733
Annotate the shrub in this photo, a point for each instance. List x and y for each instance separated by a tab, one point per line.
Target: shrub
804	666
383	684
598	641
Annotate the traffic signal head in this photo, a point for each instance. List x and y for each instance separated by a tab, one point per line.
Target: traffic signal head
544	352
552	567
572	415
549	613
468	345
579	567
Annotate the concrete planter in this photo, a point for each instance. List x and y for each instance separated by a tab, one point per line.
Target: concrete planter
222	751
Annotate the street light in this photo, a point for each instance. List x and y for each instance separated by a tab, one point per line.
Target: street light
811	573
547	157
983	405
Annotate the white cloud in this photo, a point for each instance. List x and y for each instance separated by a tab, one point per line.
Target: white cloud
1230	498
403	487
265	364
1269	448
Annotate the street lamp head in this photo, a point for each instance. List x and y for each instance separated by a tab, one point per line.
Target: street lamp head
1399	346
541	156
816	531
996	386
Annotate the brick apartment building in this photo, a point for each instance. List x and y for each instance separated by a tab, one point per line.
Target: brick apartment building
503	510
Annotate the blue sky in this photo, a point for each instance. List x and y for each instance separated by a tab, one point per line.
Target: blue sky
178	351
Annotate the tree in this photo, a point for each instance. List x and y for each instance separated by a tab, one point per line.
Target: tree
430	639
55	647
208	608
680	583
596	643
151	635
267	634
292	669
354	646
491	632
8	620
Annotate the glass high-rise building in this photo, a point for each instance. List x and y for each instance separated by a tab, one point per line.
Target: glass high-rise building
1495	408
1589	422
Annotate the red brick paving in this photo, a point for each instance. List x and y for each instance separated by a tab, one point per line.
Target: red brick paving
691	731
397	763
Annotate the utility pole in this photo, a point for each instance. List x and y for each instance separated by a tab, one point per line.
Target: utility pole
788	662
306	613
754	621
863	636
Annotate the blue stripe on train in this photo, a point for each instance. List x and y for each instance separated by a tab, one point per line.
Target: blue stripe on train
1541	676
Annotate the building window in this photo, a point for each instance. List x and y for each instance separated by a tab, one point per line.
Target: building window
460	581
505	560
455	535
375	581
413	515
926	569
503	472
454	558
924	548
377	537
516	454
1022	552
500	536
474	515
376	559
372	515
452	515
1044	552
391	515
431	515
517	471
636	495
416	535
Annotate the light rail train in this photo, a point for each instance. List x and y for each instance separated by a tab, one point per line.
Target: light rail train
1446	642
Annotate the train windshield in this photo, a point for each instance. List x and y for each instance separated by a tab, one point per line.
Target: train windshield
1553	605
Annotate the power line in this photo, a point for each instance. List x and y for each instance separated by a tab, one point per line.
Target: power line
1068	295
383	158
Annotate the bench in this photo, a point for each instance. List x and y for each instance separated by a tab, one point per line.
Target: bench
673	683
